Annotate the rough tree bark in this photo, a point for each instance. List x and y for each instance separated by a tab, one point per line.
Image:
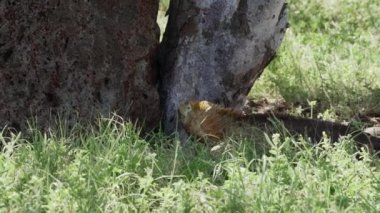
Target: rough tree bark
89	57
216	49
78	58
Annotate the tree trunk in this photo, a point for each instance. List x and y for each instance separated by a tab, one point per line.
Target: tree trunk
78	58
216	49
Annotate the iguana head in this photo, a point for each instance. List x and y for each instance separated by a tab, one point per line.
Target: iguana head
188	107
184	108
202	119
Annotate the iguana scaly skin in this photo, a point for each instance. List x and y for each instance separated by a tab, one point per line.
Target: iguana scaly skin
211	121
208	120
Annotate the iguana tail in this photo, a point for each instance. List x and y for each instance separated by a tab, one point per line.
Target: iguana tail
313	128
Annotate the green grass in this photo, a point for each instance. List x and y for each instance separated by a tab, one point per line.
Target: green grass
164	5
110	168
330	54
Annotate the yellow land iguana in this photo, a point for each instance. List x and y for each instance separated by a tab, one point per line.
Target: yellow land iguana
211	121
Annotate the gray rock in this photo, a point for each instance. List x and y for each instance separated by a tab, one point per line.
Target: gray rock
78	59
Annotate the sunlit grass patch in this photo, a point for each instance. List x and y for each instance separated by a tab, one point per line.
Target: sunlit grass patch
329	54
